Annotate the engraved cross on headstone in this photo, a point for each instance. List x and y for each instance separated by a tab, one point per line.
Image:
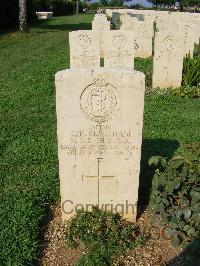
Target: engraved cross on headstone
98	176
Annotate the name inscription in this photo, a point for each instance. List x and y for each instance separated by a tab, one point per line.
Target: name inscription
100	140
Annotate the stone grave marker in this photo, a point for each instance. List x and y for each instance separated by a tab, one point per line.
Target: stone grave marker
128	22
119	49
99	127
168	60
187	29
84	49
100	24
143	39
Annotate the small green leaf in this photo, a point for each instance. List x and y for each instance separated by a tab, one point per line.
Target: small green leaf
186	202
187	213
154	160
162	180
176	183
177	163
195	196
196	217
169	187
163	162
191	231
179	214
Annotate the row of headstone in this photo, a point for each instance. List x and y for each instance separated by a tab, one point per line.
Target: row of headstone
166	21
85	49
99	124
170	29
143	32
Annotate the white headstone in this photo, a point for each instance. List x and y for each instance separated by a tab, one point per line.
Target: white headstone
187	29
100	24
168	60
99	127
84	49
119	49
143	39
128	22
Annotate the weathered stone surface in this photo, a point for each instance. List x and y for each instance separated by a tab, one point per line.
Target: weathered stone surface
100	24
143	39
84	49
168	60
187	29
119	49
99	126
128	22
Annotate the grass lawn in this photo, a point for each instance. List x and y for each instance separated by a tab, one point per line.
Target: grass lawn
29	179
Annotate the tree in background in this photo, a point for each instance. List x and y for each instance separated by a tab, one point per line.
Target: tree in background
156	3
116	2
77	7
169	3
188	3
23	26
104	2
112	2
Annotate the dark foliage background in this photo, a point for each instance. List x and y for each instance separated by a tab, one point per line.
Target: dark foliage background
9	10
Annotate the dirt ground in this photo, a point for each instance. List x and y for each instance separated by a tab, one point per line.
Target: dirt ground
156	251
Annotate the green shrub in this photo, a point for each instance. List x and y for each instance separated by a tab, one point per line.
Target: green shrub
187	91
103	234
191	72
176	196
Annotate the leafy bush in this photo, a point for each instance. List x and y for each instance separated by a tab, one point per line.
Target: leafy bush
104	235
176	196
191	72
187	91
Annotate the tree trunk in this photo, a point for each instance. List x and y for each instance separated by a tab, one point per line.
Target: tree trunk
181	6
23	16
156	5
77	6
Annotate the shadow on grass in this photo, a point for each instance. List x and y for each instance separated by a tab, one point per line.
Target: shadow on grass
64	27
152	147
48	217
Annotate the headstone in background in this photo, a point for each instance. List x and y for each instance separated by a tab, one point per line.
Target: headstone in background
128	22
99	127
84	49
187	29
143	39
100	24
167	23
168	60
119	49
